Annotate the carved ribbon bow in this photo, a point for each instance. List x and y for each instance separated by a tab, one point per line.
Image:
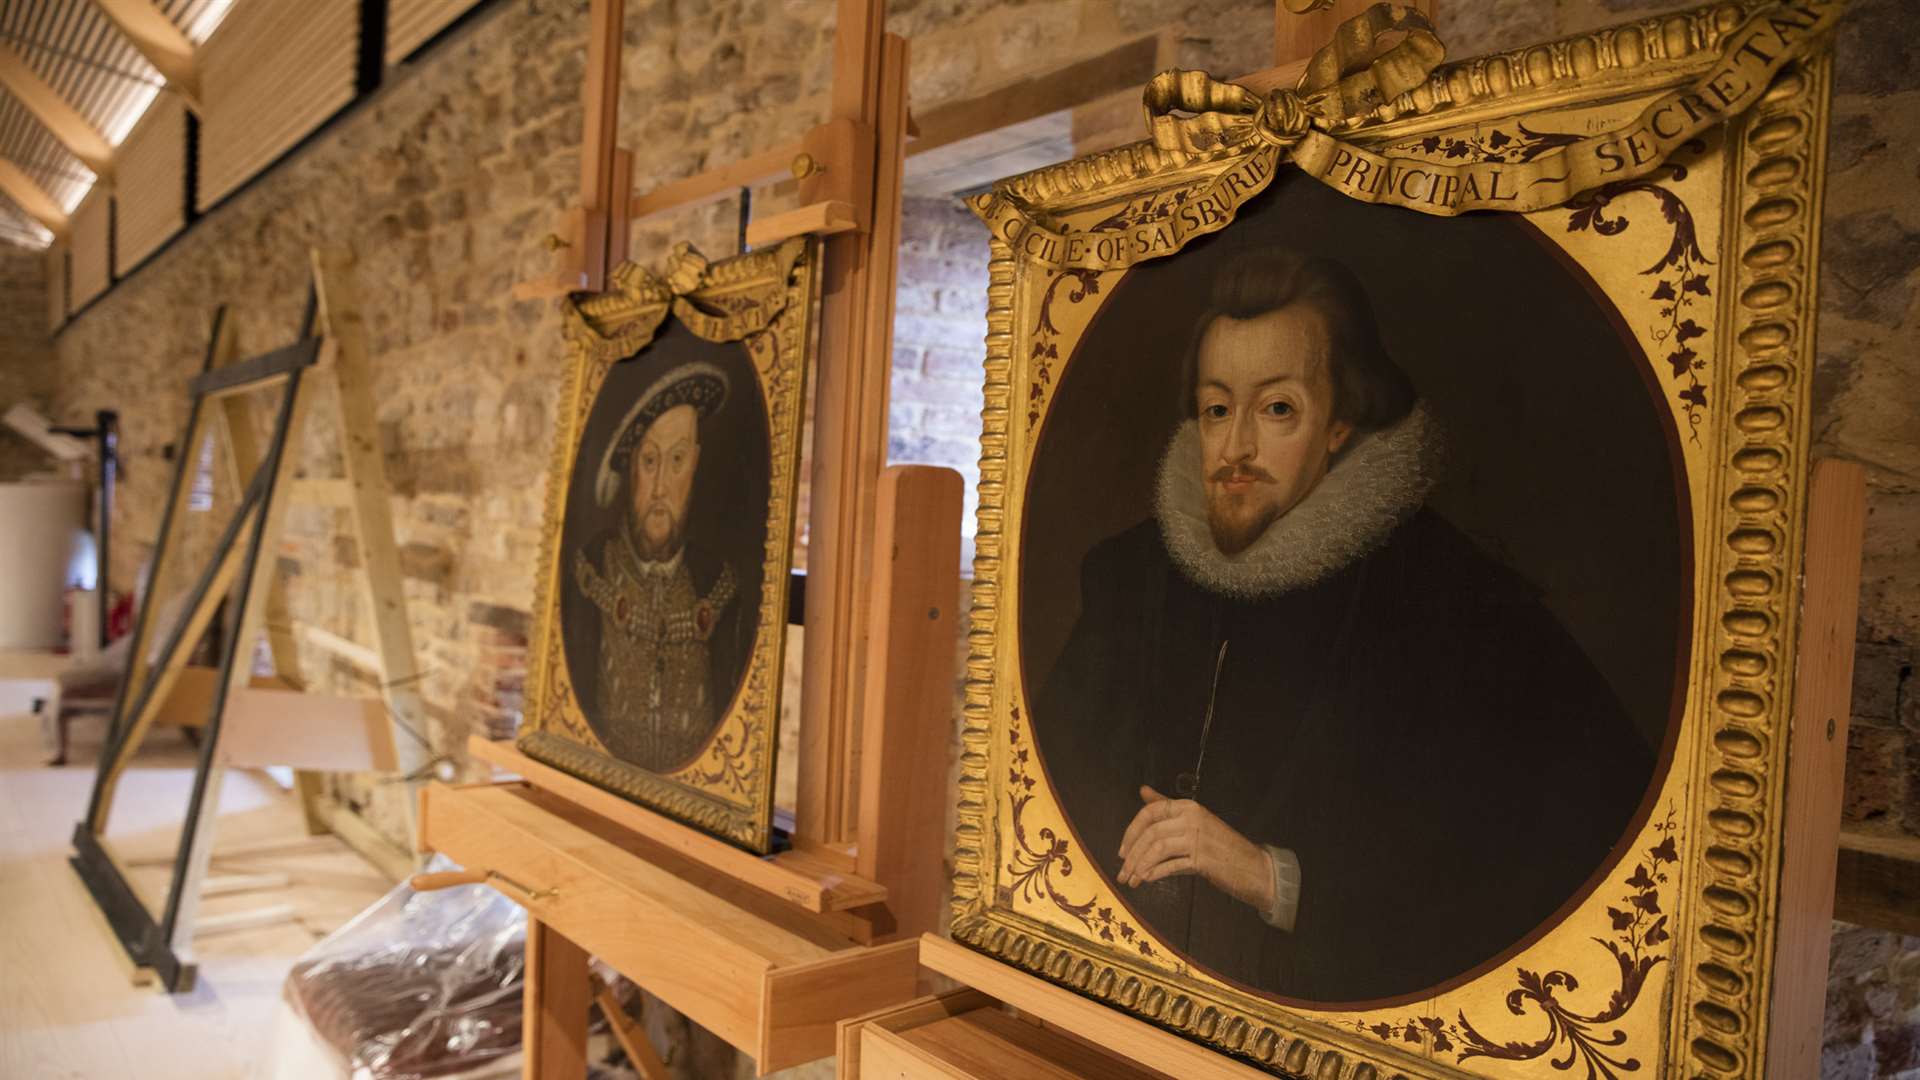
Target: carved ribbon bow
1345	81
1348	82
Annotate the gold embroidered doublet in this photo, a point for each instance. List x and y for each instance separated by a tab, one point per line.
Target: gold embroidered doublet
656	702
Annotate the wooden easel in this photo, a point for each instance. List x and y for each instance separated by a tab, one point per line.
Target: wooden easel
253	722
768	953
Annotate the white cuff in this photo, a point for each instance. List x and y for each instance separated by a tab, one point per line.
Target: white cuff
1286	888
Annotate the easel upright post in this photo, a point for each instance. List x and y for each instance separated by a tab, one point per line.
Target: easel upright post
1816	766
869	96
600	198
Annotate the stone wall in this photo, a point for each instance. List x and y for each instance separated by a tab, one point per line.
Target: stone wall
444	184
26	355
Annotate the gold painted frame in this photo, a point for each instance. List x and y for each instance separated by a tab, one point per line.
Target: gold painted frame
764	300
1693	999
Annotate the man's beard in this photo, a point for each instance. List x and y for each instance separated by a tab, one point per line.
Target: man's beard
1237	521
668	546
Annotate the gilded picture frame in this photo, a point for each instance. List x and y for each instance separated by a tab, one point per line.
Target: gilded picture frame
1705	257
661	607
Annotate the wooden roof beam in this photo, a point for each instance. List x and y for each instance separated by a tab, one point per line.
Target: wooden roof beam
161	42
29	197
60	118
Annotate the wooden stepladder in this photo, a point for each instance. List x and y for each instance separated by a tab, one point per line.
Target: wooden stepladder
255	722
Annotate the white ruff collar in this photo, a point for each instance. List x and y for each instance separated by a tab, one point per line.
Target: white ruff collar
1378	482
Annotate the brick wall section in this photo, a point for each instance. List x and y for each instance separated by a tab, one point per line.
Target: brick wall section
26	355
939	345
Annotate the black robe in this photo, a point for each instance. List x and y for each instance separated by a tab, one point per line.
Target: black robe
1445	761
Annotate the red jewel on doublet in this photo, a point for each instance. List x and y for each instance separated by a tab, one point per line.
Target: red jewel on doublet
620	609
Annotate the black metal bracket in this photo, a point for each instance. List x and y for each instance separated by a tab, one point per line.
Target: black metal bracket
106	435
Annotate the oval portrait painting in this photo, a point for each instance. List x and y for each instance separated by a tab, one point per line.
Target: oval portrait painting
1354	594
662	547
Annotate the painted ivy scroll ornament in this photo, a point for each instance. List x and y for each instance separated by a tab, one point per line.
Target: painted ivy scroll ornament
1353	77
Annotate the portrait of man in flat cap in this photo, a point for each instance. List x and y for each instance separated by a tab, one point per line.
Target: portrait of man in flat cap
659	567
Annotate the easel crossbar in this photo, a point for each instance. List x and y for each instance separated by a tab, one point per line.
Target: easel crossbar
240	376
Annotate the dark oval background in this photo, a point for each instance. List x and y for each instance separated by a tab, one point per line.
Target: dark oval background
1562	459
726	518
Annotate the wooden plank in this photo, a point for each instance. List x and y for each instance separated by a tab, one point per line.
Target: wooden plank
620	209
411	23
554	1005
988	1043
155	37
1134	1040
909	692
89	233
32	198
249	919
719	181
628	1033
329	491
820	219
850	410
350	651
802	1005
886	1055
393	862
703	954
271	726
371	509
811	886
1816	766
62	120
923	1010
1877	882
150	200
600	97
842	467
1124	68
858	29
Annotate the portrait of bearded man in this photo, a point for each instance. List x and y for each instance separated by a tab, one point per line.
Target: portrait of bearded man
674	624
1322	743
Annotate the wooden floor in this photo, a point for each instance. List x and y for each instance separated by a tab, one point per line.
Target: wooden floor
67	1004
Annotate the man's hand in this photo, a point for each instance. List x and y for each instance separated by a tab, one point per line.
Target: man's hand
1179	836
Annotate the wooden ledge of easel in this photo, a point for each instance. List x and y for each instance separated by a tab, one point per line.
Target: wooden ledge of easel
1146	1050
966	1034
756	971
793	876
820	219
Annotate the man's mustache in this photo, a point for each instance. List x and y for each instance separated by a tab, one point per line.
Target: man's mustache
1240	472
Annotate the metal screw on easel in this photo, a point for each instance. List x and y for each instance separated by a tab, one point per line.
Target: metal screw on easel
806	165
